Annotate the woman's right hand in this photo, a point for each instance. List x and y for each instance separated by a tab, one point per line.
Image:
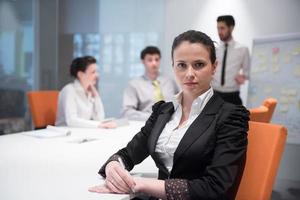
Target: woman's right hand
108	125
118	179
92	89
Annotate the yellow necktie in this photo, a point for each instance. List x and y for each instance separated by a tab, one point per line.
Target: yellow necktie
158	96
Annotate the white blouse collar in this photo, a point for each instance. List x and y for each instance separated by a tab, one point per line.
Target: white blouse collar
197	104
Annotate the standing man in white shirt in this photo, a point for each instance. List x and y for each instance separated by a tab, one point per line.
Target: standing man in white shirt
142	92
233	63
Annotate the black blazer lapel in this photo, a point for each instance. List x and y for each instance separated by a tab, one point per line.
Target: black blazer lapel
167	111
199	126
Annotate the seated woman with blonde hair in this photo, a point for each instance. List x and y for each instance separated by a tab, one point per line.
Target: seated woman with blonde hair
79	103
197	141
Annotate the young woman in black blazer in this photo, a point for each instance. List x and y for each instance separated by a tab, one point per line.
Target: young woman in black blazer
210	148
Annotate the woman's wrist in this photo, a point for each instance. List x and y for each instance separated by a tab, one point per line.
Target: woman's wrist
152	187
139	184
110	164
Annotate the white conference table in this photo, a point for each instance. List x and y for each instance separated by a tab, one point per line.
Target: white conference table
61	168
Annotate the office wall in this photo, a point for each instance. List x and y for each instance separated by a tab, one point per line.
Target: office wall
253	19
46	49
126	27
75	17
17	71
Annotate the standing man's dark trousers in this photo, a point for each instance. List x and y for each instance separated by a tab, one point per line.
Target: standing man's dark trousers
231	97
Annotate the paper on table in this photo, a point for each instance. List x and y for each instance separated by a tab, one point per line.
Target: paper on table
62	130
49	132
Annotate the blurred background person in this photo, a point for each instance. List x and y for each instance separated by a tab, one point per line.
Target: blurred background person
233	62
79	102
142	92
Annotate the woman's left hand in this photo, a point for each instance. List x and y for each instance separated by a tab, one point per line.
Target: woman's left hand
100	189
139	182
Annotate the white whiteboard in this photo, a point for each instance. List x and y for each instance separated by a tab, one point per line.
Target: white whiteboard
275	72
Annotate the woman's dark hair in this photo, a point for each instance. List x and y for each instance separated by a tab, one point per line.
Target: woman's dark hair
150	50
81	64
227	19
193	36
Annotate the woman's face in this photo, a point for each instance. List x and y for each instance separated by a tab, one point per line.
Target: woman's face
193	68
89	76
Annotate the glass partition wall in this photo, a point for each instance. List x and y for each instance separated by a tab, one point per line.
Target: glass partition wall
16	63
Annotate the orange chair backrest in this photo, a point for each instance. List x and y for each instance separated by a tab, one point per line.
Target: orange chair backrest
270	103
259	114
43	107
265	147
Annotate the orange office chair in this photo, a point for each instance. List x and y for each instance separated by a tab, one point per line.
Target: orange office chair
43	107
265	147
270	103
259	114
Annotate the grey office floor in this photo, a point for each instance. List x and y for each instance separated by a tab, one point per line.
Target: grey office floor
286	190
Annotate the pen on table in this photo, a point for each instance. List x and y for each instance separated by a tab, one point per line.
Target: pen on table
122	164
84	140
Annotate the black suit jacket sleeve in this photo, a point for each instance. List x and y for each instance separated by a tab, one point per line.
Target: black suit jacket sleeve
230	150
136	150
